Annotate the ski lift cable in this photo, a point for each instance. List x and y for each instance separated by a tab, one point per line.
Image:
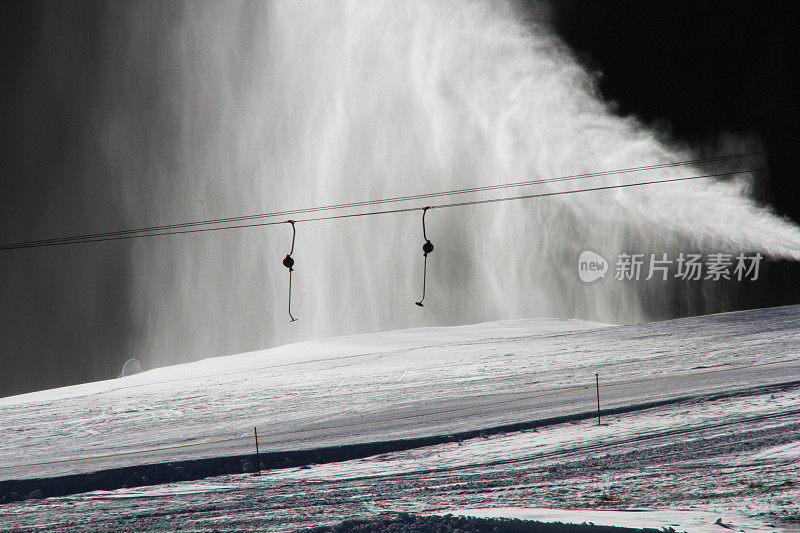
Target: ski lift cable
35	244
89	237
530	196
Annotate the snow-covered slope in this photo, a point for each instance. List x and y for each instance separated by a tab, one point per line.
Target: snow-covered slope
389	385
707	452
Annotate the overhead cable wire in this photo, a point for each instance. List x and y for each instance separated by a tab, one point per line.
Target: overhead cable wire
91	237
113	236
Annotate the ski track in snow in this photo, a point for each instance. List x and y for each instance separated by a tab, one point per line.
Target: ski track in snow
726	472
733	457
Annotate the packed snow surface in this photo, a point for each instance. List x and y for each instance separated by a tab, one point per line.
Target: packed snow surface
733	455
693	521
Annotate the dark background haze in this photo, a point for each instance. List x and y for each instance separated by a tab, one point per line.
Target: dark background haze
699	72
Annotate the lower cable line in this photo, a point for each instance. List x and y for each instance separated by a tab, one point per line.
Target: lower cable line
364	203
116	237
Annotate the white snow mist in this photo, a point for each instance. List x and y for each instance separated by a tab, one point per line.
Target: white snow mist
260	107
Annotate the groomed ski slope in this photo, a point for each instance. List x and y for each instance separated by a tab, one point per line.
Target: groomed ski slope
390	385
699	455
684	466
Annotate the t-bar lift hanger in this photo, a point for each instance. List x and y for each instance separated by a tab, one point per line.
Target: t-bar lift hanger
288	262
426	249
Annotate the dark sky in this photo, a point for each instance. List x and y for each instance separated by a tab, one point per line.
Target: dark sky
64	317
700	70
695	70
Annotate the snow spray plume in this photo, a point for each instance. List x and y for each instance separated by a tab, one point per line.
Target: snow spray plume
293	104
223	109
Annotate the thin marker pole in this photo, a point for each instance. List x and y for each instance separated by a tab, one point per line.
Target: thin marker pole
597	383
258	457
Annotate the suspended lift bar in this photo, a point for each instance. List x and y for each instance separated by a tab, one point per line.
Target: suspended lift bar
426	249
288	262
